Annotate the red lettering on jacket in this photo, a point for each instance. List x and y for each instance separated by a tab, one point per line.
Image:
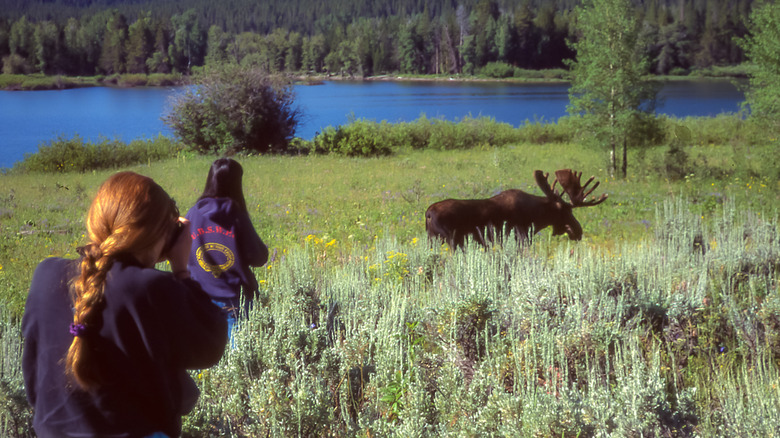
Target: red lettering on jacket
213	230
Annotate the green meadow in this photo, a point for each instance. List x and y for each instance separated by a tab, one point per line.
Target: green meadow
663	321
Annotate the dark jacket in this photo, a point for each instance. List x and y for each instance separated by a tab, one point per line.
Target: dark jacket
224	246
154	328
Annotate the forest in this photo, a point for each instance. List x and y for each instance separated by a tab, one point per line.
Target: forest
346	37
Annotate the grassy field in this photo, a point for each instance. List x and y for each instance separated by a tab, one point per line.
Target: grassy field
363	329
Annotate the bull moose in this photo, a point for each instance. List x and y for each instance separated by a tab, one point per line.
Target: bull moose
513	210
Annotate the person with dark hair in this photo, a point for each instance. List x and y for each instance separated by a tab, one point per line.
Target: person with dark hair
108	338
226	244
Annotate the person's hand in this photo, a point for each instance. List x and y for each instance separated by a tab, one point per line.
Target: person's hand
179	252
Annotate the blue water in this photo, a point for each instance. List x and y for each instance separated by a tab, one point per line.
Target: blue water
31	118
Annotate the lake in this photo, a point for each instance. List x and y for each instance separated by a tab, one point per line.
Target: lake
30	118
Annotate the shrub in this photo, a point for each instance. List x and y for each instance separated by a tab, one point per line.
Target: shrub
362	138
470	133
74	155
234	109
132	80
498	70
15	64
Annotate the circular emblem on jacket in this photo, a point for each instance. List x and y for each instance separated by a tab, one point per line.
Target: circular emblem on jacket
209	263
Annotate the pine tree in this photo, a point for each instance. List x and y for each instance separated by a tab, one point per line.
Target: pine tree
113	57
47	47
140	44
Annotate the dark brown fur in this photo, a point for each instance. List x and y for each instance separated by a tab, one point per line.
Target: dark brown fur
511	210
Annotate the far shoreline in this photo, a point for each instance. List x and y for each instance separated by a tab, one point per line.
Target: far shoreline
39	82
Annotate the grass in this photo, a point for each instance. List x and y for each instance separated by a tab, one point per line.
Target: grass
39	81
361	328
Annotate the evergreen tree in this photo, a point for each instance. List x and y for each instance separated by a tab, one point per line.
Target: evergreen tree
47	47
91	39
21	41
113	57
5	31
216	46
293	56
159	61
527	36
75	55
762	47
140	44
607	88
313	57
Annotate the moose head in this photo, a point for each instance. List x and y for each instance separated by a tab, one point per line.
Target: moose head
513	210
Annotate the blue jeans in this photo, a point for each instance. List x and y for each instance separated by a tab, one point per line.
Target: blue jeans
234	312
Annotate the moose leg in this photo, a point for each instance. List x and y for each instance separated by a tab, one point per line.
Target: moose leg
521	235
480	235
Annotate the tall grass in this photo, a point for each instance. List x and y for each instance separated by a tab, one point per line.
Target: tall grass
653	337
404	339
662	321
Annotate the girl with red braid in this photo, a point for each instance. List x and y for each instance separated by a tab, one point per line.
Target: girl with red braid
108	338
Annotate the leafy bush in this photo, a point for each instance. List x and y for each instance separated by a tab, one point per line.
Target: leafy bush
538	132
74	155
368	138
234	109
16	64
498	70
363	138
470	133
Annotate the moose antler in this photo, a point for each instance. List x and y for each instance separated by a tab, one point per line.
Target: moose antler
570	183
541	181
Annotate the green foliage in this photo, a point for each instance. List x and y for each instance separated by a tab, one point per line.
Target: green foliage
41	82
15	413
333	37
360	138
234	109
608	89
368	138
662	321
762	48
545	340
15	64
498	70
74	155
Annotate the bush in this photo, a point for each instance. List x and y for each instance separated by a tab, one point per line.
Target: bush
234	109
15	64
470	133
368	138
362	138
498	70
74	155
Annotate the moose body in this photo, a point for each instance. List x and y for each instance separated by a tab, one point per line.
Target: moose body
511	210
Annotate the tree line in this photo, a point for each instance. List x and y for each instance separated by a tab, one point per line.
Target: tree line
92	37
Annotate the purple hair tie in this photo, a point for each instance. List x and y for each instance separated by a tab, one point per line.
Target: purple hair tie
78	329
